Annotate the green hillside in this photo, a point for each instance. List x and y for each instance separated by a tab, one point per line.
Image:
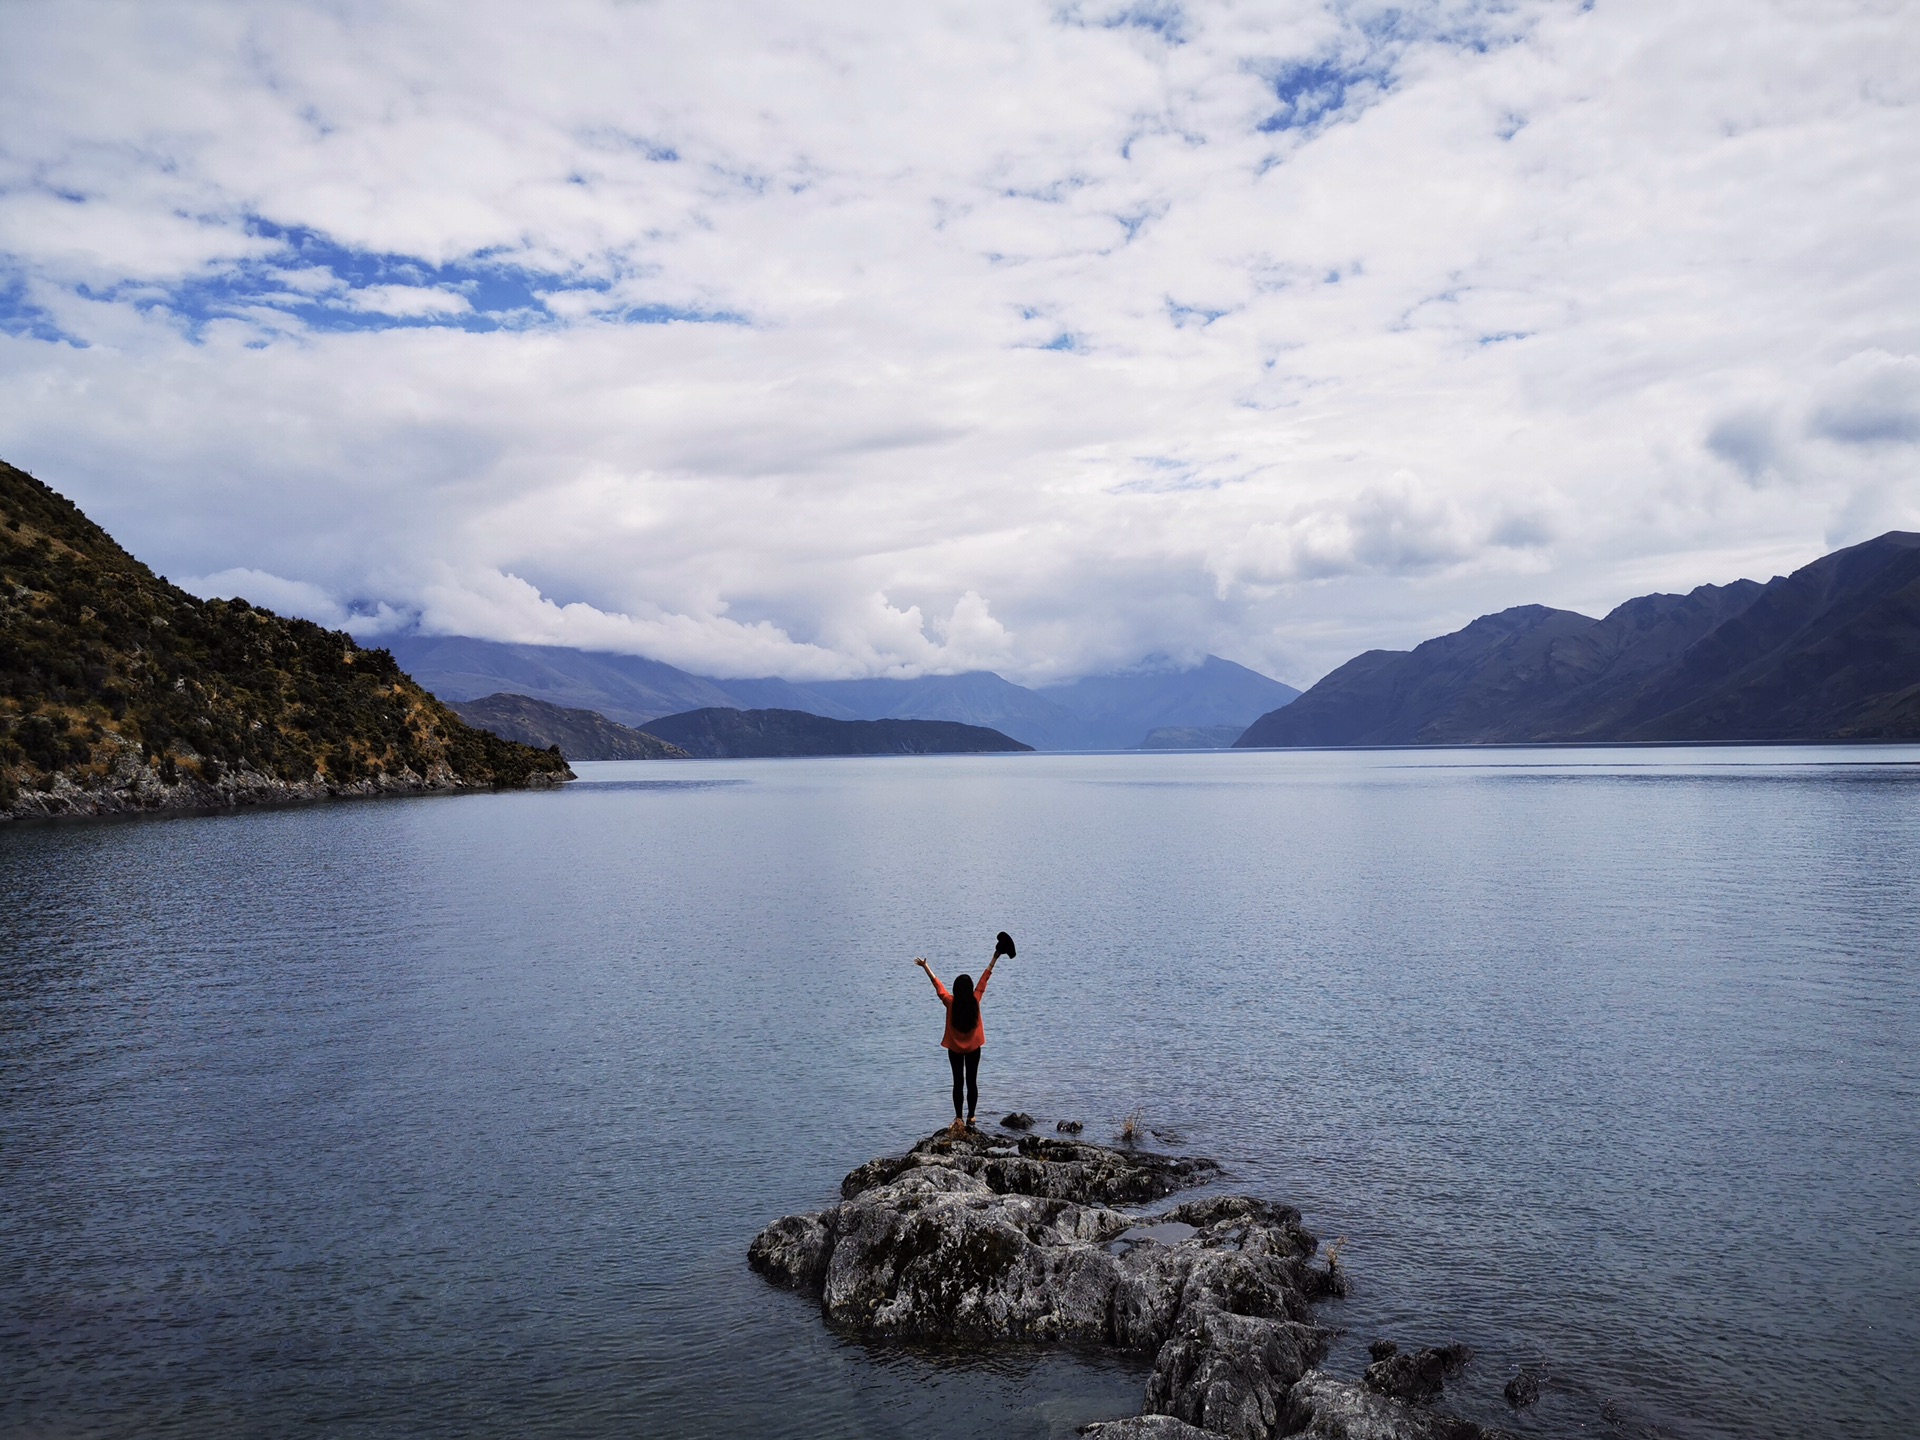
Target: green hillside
119	691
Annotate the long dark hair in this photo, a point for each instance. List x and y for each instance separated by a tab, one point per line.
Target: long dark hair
966	1008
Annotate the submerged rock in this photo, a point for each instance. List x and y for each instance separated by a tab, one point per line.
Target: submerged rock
1068	1127
977	1238
1523	1389
1419	1376
1018	1120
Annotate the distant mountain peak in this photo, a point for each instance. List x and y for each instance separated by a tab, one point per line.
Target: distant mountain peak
1517	619
1831	651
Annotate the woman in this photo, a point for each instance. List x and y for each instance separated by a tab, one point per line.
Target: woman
966	1030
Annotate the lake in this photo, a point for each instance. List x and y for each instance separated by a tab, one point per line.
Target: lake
455	1116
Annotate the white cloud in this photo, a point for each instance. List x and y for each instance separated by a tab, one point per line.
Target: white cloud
408	301
1529	302
297	598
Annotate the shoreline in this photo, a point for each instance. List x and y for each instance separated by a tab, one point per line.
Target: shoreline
136	788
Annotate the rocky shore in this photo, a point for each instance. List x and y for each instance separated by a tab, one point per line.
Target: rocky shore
988	1238
132	784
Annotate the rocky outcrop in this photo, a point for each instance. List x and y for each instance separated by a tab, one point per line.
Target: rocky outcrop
979	1238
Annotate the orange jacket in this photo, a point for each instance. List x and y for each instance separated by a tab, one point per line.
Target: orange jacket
975	1037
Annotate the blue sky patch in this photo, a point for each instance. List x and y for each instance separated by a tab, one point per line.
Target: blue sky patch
1164	18
1185	315
21	318
324	285
1312	91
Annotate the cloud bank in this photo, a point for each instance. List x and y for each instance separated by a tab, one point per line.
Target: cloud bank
843	339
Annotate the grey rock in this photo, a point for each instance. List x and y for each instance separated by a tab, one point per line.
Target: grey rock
1068	1127
936	1254
1054	1169
792	1252
1231	1373
1319	1407
1018	1120
1145	1427
961	1240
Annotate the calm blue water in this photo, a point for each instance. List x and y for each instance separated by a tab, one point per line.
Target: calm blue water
455	1116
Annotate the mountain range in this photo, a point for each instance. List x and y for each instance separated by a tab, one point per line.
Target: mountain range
721	732
1099	713
1830	652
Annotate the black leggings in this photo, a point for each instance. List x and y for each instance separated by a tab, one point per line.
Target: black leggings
966	1067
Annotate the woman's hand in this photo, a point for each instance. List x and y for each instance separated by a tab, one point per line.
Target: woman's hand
921	961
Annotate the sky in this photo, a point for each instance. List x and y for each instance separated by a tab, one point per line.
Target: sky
842	339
